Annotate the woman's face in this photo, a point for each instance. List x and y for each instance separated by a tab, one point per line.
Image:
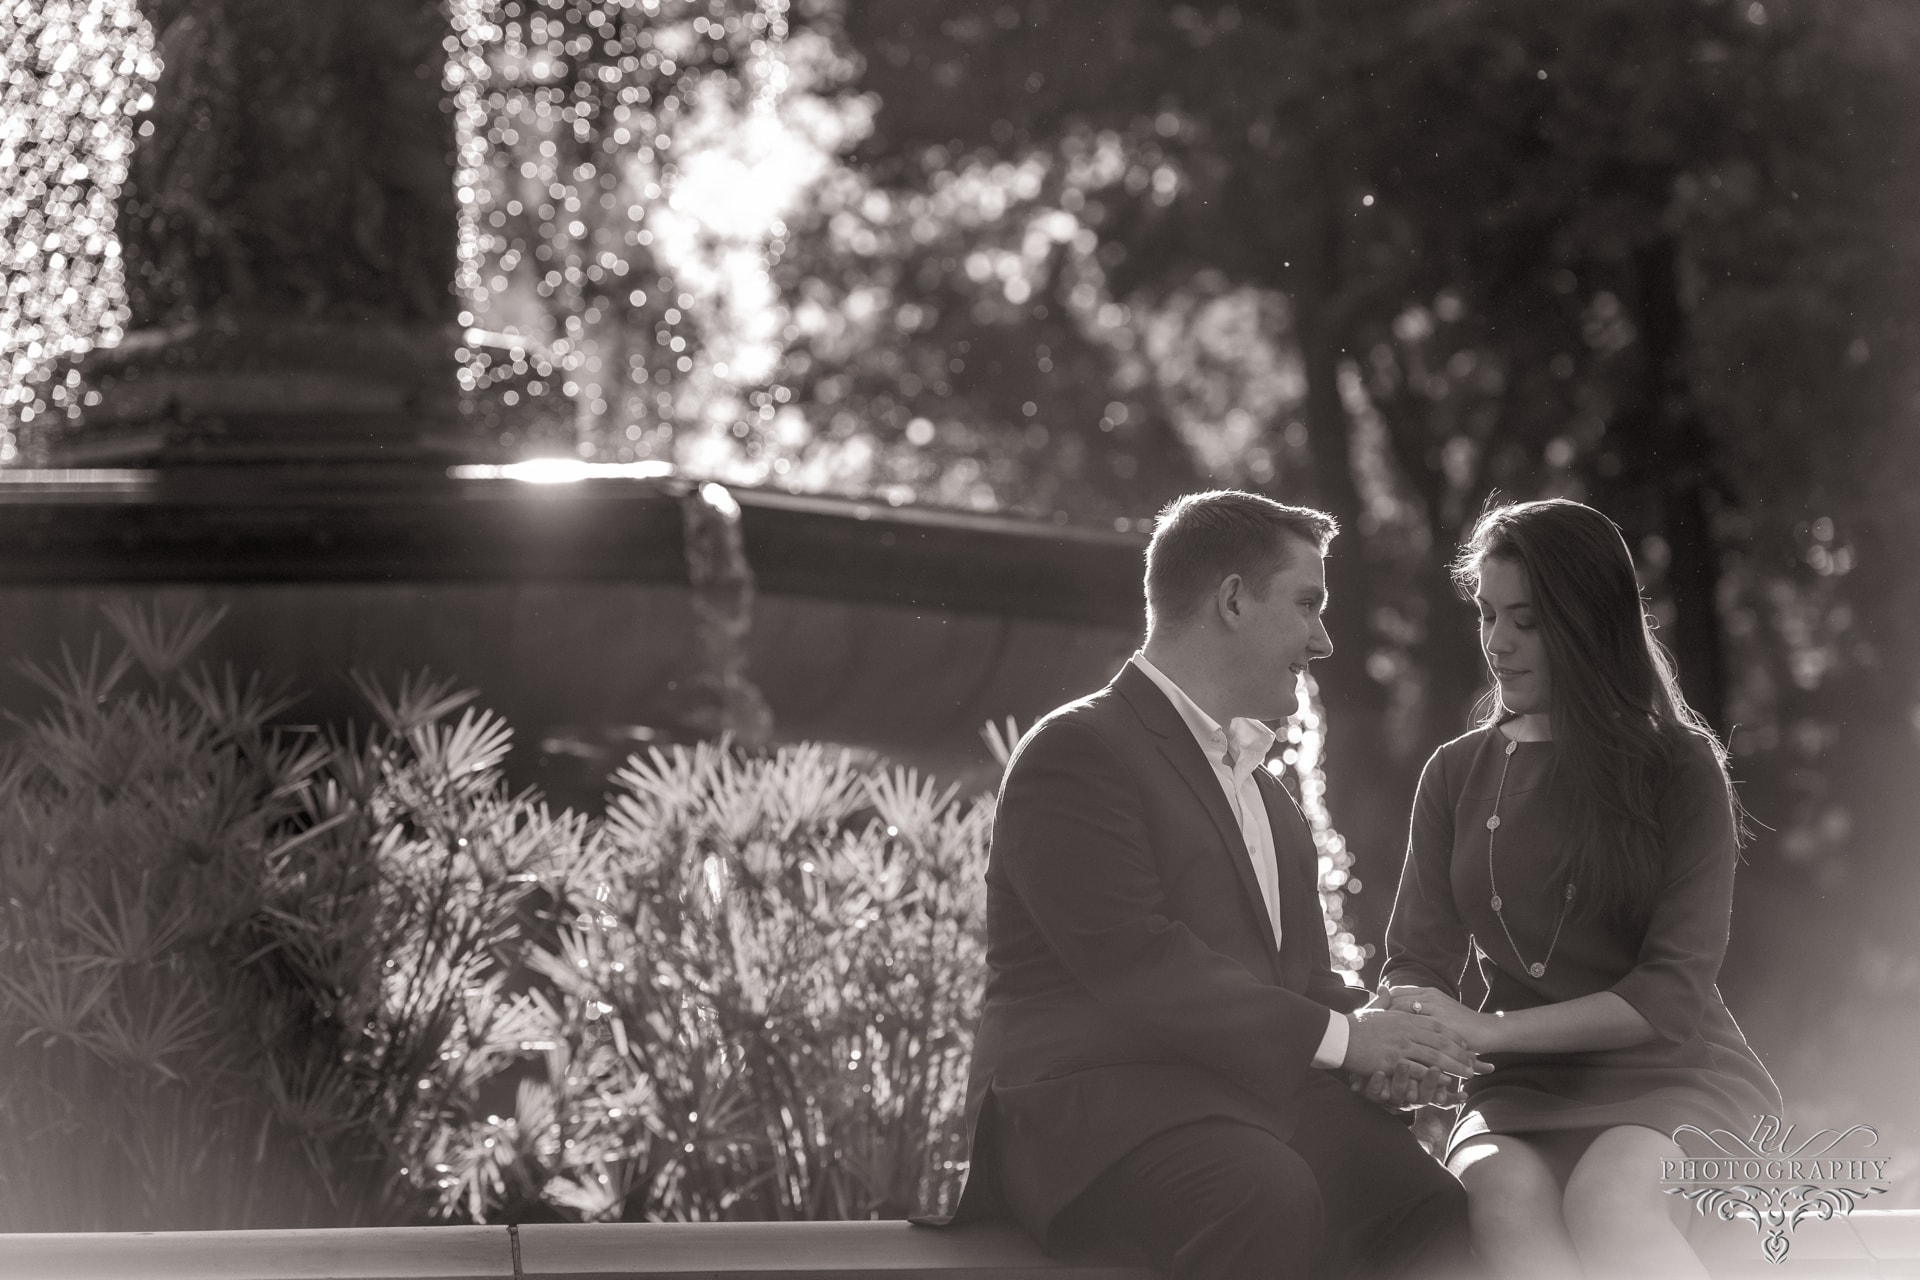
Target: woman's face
1510	636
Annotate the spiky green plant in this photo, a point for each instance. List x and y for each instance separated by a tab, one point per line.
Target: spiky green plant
763	1007
249	975
253	976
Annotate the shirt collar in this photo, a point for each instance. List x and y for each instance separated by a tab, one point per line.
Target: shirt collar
1246	741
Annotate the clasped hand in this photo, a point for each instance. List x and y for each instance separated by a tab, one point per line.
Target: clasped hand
1410	1048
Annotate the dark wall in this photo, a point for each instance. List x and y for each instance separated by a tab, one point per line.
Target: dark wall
571	608
586	672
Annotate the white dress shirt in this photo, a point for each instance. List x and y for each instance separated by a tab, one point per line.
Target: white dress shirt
1235	752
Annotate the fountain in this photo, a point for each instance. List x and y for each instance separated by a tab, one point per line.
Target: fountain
286	236
329	384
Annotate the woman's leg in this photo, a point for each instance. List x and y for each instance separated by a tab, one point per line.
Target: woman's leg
1513	1205
1622	1225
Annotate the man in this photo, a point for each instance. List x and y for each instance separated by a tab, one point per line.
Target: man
1165	1054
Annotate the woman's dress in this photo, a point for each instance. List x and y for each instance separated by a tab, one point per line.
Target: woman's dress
1698	1069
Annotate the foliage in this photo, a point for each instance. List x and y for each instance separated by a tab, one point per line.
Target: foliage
248	973
761	1011
254	976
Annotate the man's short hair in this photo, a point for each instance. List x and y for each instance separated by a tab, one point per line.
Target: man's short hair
1201	538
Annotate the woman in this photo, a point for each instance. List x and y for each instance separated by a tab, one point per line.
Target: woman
1580	844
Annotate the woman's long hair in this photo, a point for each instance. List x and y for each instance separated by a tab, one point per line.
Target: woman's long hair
1618	718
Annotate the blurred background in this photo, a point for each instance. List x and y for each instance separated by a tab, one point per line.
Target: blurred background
812	372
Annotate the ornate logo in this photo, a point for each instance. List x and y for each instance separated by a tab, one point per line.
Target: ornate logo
1767	1180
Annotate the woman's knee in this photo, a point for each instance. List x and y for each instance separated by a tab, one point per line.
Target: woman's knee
1614	1192
1506	1182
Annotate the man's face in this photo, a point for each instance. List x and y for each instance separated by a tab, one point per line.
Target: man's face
1281	627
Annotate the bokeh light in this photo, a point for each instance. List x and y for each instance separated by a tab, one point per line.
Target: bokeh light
620	192
1305	755
74	77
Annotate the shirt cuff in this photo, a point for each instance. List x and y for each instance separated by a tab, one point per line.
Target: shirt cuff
1333	1045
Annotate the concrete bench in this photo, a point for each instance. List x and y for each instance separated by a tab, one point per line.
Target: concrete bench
1880	1244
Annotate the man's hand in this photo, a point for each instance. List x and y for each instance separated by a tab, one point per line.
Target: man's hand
1403	1060
1409	1087
1379	1040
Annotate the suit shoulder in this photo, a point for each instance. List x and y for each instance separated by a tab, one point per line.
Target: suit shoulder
1079	725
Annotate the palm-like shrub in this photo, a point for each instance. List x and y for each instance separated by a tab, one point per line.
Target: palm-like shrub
255	976
762	1008
248	976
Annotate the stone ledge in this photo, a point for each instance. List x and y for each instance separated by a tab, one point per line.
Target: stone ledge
336	524
374	1253
762	1250
1881	1244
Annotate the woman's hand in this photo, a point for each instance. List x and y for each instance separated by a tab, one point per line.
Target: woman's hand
1479	1030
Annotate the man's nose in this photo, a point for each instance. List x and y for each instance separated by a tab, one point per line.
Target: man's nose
1320	644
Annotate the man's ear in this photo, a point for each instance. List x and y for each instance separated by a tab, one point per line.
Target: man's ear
1229	599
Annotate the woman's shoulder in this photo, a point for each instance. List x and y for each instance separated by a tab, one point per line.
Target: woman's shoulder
1461	750
1697	770
1452	761
1695	754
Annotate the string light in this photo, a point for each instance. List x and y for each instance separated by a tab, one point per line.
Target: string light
74	77
1306	756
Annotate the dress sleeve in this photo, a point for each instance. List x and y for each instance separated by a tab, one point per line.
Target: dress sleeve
1426	940
1679	962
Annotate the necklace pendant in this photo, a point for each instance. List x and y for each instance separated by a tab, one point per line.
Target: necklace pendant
1537	969
1496	902
1493	823
1512	747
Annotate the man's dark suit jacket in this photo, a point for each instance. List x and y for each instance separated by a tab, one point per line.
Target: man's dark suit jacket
1133	981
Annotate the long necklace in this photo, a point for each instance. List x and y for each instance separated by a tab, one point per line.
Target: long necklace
1539	967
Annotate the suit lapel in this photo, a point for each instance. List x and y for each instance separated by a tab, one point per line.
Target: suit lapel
1183	753
1302	920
